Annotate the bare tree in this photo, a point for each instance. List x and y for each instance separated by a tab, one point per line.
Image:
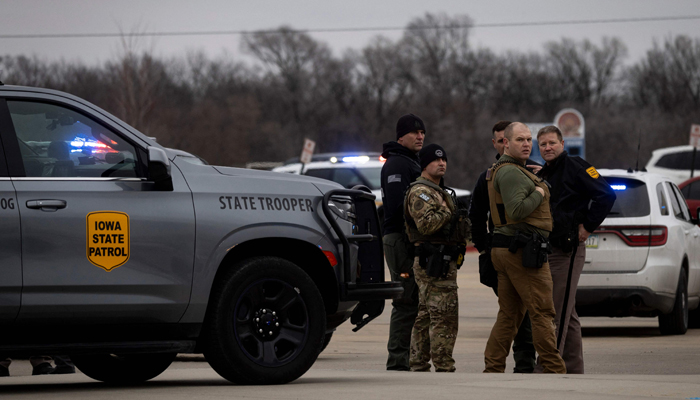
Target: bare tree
292	57
585	71
135	79
435	43
669	76
384	81
29	71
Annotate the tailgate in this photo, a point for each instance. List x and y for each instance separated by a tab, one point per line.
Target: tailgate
607	252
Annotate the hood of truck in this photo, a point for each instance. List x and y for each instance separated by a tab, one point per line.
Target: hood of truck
322	184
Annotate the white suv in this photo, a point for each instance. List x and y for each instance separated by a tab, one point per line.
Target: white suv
673	162
644	260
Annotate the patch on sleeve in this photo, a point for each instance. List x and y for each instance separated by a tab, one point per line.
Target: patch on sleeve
593	173
394	178
418	205
424	196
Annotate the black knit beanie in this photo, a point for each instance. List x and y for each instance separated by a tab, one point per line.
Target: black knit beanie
408	123
431	153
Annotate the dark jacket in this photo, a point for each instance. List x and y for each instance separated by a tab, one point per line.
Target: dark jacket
400	169
479	211
576	184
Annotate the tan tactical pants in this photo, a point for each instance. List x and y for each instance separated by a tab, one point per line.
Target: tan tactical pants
521	289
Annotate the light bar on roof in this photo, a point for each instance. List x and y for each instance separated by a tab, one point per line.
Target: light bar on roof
619	187
356	159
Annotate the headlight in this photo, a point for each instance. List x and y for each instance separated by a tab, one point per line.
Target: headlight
343	208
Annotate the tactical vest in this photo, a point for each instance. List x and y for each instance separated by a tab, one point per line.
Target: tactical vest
540	218
455	232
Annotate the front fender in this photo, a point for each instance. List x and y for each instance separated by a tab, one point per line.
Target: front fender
256	239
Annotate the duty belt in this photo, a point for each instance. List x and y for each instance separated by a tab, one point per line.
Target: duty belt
500	240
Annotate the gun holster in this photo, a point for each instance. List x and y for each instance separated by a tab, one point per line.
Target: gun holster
436	259
518	241
535	252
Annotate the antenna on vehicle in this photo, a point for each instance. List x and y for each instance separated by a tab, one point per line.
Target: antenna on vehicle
639	146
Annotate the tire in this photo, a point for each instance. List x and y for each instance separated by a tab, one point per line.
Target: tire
258	294
127	369
326	341
676	322
694	319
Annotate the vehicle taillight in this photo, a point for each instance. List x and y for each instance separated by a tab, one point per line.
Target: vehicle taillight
637	235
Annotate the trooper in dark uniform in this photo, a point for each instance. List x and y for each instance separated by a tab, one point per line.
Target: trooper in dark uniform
401	168
523	350
581	199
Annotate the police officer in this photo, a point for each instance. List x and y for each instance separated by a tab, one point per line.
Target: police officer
401	168
523	350
41	365
581	199
439	231
519	203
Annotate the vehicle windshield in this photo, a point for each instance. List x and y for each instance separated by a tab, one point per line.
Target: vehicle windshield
681	160
632	198
373	176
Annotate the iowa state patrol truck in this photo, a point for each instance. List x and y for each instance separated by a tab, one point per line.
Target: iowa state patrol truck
122	253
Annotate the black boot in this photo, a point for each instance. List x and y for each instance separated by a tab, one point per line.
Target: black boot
42	369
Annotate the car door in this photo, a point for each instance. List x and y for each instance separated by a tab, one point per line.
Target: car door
691	234
11	265
100	244
691	192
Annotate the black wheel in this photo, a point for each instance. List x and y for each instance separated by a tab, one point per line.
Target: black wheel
676	322
125	369
265	323
326	340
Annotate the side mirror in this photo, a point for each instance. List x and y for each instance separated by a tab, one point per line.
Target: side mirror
696	220
159	169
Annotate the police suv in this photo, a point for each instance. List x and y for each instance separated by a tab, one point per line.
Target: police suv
121	253
350	169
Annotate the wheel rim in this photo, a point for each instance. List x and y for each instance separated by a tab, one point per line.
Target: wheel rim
271	322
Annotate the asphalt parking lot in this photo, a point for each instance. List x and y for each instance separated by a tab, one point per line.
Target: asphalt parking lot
625	358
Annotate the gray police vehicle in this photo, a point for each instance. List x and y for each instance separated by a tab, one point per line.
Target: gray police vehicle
122	254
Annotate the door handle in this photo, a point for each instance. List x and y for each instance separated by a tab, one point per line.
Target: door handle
46	205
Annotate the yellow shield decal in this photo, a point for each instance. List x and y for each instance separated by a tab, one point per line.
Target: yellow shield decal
593	173
108	239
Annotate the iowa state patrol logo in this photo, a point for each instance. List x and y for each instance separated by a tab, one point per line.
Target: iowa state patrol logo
108	239
593	173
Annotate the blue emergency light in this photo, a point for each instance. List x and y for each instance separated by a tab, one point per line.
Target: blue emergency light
619	187
356	159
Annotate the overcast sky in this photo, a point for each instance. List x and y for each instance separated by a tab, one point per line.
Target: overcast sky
103	16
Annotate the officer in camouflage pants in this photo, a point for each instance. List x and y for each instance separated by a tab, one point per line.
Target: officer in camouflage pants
435	331
439	232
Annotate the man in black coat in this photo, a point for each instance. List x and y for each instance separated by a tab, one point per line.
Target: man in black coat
580	201
401	168
479	215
